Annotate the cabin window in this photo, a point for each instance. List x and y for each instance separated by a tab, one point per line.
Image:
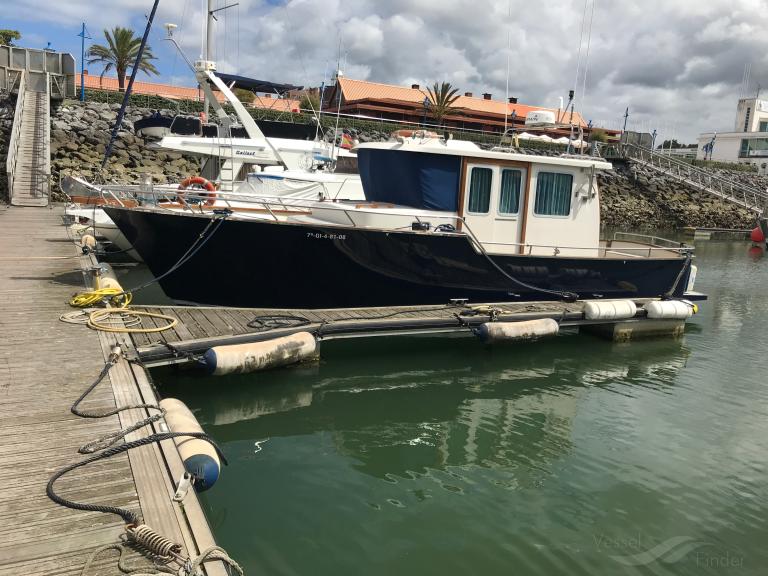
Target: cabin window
509	199
553	194
480	190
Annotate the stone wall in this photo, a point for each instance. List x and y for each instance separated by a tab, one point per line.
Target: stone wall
7	107
633	196
79	136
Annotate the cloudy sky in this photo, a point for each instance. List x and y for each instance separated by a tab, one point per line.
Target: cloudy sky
677	64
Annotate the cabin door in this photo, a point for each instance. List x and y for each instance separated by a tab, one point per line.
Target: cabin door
508	220
493	205
479	199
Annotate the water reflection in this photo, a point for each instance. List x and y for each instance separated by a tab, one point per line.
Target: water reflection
443	403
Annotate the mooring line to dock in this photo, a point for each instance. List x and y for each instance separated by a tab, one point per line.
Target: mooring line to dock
162	550
108	439
122	298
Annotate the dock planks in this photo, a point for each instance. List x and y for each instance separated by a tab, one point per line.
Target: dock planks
201	327
44	365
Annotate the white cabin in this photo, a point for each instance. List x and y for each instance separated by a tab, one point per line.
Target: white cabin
512	203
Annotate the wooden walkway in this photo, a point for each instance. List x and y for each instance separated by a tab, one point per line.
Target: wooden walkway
199	328
45	365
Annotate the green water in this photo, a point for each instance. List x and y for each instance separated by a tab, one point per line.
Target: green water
439	456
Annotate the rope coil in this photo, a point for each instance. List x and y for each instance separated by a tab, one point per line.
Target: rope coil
160	546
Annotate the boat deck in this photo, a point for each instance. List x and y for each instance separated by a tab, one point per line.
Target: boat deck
45	364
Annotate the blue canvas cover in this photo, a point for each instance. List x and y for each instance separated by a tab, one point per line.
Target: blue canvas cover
415	179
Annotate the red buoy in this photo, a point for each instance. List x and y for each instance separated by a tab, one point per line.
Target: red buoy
757	235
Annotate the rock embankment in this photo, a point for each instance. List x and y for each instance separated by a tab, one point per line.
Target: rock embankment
79	137
7	106
633	196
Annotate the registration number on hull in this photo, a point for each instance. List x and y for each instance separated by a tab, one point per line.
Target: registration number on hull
326	236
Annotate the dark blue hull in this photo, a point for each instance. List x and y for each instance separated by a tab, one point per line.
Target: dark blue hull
265	264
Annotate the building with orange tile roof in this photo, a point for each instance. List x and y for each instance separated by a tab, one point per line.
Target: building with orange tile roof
184	93
374	99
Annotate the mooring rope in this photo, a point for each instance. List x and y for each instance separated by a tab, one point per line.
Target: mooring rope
139	535
670	293
130	517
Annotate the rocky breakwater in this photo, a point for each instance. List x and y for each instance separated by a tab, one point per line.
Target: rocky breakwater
7	107
633	196
80	134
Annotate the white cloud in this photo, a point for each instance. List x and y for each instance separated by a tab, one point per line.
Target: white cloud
674	63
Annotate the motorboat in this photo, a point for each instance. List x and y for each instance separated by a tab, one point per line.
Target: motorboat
442	221
239	158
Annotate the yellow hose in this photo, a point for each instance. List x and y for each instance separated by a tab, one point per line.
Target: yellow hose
97	316
88	299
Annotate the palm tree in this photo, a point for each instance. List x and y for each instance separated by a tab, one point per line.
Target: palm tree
441	98
120	54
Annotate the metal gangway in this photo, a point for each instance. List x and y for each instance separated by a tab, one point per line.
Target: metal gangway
731	191
35	76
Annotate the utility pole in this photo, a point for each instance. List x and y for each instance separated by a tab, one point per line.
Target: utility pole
83	36
626	115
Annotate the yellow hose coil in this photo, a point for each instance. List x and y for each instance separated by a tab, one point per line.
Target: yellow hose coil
88	299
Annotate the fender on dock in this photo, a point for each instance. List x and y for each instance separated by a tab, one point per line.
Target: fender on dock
491	332
199	457
669	309
107	278
610	310
87	241
253	356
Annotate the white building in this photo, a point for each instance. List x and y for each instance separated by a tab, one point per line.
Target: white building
747	144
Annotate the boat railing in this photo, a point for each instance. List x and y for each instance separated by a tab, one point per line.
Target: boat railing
630	251
656	241
272	206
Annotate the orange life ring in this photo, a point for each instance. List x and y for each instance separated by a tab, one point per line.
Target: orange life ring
210	196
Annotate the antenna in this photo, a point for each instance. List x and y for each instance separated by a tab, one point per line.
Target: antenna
509	49
586	59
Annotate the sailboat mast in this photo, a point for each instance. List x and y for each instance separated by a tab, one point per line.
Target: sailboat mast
208	51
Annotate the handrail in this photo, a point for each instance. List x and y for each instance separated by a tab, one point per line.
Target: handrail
663	243
15	140
45	176
743	195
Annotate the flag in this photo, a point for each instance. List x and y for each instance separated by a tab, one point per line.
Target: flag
346	141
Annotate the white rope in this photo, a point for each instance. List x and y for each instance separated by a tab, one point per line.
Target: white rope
211	554
190	568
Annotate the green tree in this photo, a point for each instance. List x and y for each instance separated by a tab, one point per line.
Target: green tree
598	135
441	99
8	36
670	144
120	54
245	96
310	102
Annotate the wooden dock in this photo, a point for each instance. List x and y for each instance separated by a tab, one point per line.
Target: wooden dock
199	328
45	364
